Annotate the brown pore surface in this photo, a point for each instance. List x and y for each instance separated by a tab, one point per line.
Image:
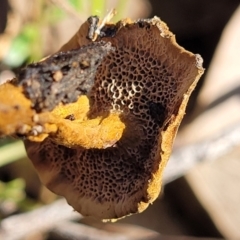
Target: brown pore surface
146	81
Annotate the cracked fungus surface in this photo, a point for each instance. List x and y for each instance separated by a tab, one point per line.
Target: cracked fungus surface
145	79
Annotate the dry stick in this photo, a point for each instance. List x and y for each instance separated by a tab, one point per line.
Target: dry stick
71	230
183	159
55	217
40	220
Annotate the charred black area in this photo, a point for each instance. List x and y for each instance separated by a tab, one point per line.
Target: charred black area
62	77
108	31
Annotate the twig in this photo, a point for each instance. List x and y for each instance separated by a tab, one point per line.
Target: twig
40	220
184	159
71	230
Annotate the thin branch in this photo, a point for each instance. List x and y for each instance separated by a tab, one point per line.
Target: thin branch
183	159
40	220
71	230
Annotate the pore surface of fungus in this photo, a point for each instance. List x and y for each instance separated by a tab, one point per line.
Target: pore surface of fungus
146	81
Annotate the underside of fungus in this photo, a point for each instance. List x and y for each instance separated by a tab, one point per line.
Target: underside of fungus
107	130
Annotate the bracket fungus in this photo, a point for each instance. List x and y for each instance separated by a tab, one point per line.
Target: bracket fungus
137	96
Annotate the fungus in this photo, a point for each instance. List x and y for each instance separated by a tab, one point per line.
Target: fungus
128	117
147	81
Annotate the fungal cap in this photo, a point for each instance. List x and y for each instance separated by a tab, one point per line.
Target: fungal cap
147	82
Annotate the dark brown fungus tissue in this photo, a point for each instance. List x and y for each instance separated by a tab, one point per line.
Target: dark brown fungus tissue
142	75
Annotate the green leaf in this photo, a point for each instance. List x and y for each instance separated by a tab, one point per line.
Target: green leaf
24	46
18	52
76	4
98	7
13	190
